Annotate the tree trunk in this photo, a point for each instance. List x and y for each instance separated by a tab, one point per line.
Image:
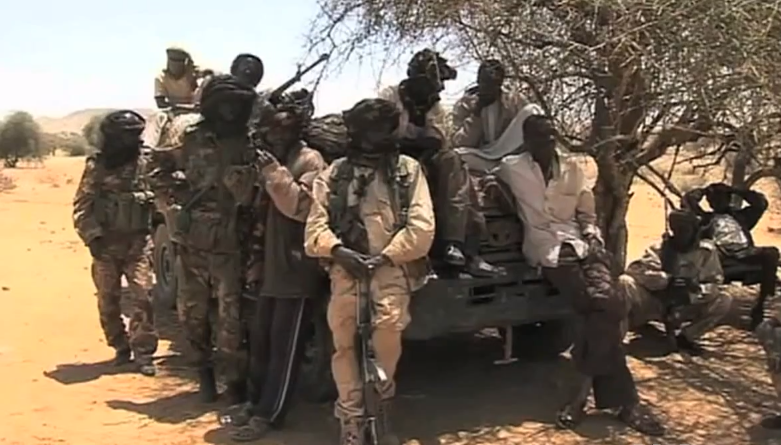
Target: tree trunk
612	195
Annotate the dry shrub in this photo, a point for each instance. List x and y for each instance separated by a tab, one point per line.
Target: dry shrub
6	183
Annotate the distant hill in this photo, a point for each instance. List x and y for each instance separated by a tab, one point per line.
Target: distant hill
74	122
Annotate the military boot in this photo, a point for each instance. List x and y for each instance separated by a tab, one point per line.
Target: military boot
384	428
122	356
351	433
207	386
145	365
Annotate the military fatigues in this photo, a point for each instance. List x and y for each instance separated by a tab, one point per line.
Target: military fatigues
644	282
116	205
391	287
203	226
178	91
454	197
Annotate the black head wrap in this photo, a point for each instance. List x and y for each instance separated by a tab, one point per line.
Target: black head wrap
225	87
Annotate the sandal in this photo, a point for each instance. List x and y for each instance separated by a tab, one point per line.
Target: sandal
256	428
236	415
570	416
641	419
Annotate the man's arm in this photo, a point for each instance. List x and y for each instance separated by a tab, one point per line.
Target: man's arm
757	205
414	240
161	94
467	126
648	270
437	118
293	198
586	214
84	221
319	240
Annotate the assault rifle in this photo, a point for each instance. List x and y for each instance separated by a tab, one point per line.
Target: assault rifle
372	374
677	295
275	95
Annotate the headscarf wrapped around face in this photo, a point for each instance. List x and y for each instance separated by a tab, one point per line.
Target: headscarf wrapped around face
431	64
224	87
370	116
684	228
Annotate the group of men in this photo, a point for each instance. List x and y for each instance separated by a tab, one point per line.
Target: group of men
243	177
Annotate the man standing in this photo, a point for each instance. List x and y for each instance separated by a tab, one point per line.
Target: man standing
682	273
211	176
561	236
176	84
371	210
731	227
423	137
290	279
112	213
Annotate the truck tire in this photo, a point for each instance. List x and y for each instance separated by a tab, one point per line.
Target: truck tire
163	264
543	340
316	382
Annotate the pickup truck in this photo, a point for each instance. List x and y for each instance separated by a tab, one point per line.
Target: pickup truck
532	317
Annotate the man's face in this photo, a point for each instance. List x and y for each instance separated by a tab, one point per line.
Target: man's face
489	85
249	71
282	132
177	65
378	141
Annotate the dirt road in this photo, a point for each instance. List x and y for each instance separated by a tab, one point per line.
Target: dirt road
56	387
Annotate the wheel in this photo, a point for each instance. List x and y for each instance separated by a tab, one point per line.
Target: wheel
163	264
545	339
316	382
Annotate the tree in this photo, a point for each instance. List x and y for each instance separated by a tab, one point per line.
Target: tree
91	131
73	144
20	139
625	80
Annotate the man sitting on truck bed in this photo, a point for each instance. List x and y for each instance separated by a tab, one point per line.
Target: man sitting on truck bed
176	84
423	137
561	235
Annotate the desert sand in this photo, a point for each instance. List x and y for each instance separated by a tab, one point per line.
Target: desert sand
57	387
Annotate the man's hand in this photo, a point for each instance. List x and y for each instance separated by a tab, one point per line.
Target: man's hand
97	247
353	262
595	243
264	159
378	261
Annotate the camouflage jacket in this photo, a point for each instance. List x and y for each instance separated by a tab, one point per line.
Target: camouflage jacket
201	183
112	202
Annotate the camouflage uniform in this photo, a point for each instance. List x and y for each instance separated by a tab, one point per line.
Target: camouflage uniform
349	188
208	260
115	205
644	282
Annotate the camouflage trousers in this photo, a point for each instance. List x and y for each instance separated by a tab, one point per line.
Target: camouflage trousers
128	257
204	279
643	306
769	336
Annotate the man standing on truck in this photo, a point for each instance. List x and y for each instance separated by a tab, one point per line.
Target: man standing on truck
290	279
371	209
682	273
112	213
561	236
212	173
422	129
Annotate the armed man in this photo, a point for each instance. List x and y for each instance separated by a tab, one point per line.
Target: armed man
731	231
175	86
679	275
371	219
205	180
562	237
290	280
422	129
112	213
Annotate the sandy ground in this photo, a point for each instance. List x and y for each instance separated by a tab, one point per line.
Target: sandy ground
56	387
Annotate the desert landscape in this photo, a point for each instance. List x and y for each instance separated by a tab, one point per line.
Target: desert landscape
58	388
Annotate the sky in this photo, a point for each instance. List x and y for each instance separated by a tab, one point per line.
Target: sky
60	57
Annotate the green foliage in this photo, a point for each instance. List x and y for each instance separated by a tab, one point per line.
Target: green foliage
20	139
73	144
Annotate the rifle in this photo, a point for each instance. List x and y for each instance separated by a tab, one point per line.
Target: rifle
275	95
370	371
675	296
